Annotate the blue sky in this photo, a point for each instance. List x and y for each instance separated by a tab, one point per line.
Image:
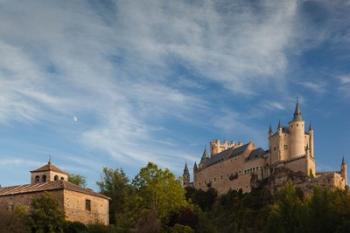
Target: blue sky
120	83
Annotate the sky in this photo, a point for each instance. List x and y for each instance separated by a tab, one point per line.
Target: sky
103	83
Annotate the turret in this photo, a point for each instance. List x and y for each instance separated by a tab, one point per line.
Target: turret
186	177
205	156
270	131
214	147
344	171
311	140
296	134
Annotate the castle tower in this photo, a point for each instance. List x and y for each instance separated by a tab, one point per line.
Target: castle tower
344	171
214	147
48	172
296	134
311	141
186	177
205	156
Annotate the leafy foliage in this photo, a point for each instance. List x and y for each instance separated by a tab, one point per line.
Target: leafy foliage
77	179
159	190
46	216
13	221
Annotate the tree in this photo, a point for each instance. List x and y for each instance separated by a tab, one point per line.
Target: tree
77	179
178	228
148	222
159	190
289	214
45	215
13	221
115	184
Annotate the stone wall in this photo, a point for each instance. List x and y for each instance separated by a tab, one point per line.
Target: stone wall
234	173
75	208
10	202
73	204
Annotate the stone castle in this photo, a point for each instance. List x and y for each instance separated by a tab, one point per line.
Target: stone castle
79	204
290	157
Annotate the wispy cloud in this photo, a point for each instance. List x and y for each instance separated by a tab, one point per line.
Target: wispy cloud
318	86
116	64
344	84
9	161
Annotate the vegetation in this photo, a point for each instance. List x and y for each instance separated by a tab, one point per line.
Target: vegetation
77	179
155	202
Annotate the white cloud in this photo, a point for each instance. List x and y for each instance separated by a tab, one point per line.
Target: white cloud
62	57
318	87
344	84
18	162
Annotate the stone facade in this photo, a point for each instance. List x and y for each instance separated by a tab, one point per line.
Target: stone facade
79	204
235	165
75	208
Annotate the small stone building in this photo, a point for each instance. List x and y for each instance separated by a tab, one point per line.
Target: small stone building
79	204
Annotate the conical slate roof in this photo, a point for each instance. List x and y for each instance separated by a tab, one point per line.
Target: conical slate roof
186	171
297	112
205	155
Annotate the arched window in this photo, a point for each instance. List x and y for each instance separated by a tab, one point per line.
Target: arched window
62	178
37	179
43	178
56	177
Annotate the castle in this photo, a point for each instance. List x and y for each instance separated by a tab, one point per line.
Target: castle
239	166
79	204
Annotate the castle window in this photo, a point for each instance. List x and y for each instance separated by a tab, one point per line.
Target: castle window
56	177
37	179
88	205
286	147
43	179
62	178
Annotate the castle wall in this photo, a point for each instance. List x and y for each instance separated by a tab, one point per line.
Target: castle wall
298	164
234	173
75	208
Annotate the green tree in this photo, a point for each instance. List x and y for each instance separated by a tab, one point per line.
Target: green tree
159	190
178	228
115	184
45	215
77	179
13	221
289	214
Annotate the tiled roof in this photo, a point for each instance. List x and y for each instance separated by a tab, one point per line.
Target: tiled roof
49	167
257	153
229	153
47	186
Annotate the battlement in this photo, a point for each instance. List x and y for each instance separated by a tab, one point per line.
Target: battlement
216	146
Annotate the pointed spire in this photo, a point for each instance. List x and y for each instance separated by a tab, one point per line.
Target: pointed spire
195	166
343	161
279	124
186	171
49	162
270	129
310	127
205	155
297	112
